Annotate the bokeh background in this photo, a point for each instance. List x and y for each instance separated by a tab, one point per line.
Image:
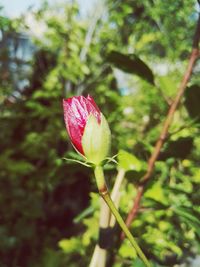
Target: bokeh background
130	56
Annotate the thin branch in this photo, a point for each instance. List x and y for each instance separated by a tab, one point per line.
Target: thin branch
164	132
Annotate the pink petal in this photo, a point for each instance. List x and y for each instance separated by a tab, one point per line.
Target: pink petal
76	112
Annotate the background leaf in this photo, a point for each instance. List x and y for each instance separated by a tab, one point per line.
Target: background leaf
131	64
192	100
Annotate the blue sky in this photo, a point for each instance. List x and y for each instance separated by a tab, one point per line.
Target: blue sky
16	7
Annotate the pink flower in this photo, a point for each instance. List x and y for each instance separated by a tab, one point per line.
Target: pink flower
76	112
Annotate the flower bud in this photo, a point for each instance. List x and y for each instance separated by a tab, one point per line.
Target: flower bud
87	128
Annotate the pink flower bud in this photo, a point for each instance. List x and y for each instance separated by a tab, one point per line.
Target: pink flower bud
76	112
87	127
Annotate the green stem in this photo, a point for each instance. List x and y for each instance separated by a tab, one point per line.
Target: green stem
122	224
106	196
99	175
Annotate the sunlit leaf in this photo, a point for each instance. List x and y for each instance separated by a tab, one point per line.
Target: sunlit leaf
128	161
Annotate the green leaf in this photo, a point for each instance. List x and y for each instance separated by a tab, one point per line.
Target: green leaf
192	99
127	251
180	148
187	214
131	64
70	245
128	161
84	214
157	193
168	84
190	217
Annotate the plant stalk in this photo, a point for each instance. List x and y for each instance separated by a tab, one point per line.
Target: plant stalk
107	219
99	175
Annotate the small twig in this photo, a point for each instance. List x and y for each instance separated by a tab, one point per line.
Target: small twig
151	162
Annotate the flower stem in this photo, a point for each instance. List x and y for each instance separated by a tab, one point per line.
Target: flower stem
99	175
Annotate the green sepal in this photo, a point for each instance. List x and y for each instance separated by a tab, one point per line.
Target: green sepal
96	140
78	161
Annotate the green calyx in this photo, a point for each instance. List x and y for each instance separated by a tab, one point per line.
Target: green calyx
96	140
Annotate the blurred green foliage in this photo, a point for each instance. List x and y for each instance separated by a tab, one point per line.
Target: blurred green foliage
50	207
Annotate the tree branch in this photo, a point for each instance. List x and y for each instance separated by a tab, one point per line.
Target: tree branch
164	132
